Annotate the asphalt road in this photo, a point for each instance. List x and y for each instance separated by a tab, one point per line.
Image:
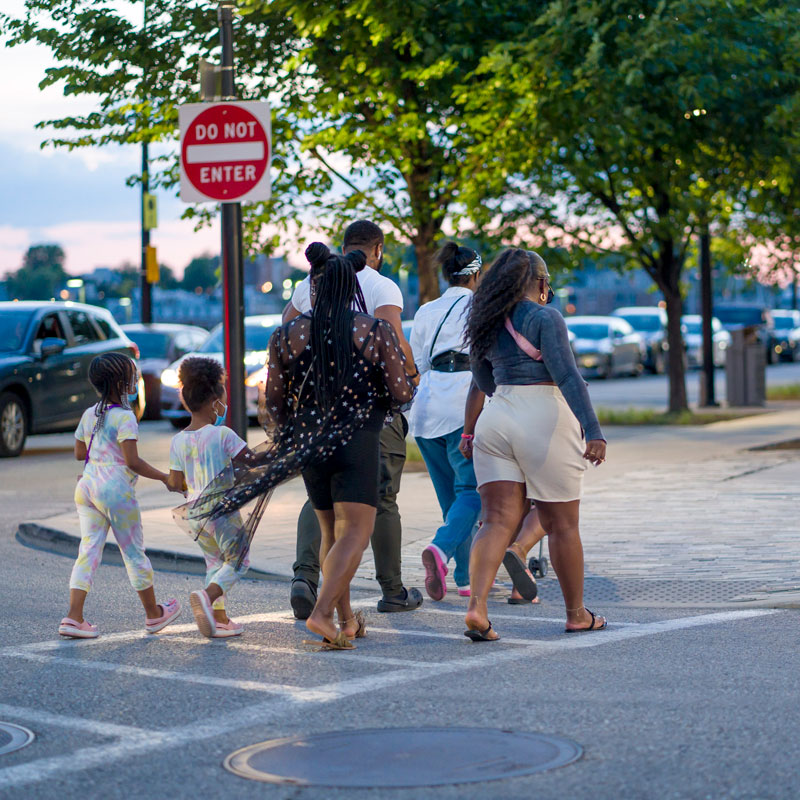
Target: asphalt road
667	703
651	391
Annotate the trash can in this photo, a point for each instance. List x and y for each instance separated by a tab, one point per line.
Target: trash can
746	368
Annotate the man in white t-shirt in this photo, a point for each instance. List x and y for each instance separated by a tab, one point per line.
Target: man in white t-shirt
385	301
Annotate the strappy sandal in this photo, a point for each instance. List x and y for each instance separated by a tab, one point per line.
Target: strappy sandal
521	576
481	636
591	627
361	624
341	642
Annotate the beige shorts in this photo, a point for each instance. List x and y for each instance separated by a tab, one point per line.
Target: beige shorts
528	434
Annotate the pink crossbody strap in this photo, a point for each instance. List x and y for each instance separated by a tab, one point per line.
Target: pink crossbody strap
523	343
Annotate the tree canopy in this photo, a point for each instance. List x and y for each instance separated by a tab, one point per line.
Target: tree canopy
41	274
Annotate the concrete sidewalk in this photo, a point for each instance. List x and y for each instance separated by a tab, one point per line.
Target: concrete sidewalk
678	515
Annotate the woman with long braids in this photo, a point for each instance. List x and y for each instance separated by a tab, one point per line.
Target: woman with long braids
105	441
334	377
534	439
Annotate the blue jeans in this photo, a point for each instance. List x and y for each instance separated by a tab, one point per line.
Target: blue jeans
454	480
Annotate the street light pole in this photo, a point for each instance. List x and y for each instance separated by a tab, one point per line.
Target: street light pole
232	266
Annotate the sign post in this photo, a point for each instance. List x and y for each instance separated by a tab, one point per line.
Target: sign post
225	153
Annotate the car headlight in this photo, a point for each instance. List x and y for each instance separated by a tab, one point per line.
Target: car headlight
169	377
256	378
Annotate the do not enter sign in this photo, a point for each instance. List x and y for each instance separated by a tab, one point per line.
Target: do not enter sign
225	152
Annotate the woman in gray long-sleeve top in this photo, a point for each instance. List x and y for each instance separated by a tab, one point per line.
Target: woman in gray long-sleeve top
536	436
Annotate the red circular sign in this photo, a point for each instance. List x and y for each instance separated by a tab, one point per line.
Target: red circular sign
225	152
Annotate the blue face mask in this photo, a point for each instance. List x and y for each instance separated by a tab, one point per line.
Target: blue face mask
132	397
220	418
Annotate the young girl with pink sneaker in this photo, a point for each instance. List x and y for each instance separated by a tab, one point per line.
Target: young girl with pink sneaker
198	455
105	441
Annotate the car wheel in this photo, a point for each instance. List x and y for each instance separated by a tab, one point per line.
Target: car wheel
606	371
658	363
13	425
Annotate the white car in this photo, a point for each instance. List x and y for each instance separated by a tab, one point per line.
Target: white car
257	333
692	328
606	346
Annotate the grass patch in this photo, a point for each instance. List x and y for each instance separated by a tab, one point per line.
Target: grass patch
412	451
791	391
649	416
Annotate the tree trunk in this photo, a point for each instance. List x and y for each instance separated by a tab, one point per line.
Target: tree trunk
424	249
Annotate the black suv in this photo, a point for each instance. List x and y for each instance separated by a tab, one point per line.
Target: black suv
45	351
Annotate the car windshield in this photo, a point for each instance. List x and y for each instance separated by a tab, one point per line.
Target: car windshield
693	327
643	322
13	325
740	316
256	337
784	323
589	330
150	343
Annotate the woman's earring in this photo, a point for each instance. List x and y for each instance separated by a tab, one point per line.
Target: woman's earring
543	297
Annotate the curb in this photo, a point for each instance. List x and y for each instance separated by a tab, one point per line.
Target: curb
40	537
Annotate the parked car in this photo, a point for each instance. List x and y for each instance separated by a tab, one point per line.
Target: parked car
784	337
160	344
650	322
692	328
606	346
45	352
257	331
735	316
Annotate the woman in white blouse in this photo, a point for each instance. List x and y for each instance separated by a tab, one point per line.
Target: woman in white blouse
437	417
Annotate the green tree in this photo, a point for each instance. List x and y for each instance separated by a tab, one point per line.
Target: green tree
41	273
628	127
201	273
166	278
366	120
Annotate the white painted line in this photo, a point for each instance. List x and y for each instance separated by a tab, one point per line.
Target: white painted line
339	655
164	674
37	717
262	714
220	153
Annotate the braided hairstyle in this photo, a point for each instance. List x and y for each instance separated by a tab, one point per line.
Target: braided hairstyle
452	258
502	287
336	291
111	374
201	380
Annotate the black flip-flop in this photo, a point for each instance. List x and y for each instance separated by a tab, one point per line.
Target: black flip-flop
522	579
518	601
480	636
590	628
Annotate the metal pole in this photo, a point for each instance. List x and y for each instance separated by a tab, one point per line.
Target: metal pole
146	304
707	305
232	267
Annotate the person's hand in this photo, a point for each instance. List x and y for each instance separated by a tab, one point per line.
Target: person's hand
595	452
465	448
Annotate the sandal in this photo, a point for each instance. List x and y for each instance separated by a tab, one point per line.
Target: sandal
361	624
341	642
521	577
170	610
481	636
591	627
203	611
77	630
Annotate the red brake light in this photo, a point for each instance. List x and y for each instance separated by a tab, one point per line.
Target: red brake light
135	351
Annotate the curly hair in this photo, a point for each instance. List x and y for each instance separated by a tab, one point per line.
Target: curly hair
501	288
202	379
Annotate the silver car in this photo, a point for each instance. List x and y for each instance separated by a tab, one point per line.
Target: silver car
257	333
692	329
606	346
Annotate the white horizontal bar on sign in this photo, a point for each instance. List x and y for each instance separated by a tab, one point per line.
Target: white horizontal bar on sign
221	153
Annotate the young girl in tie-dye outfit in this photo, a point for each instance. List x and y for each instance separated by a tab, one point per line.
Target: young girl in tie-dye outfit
199	455
105	441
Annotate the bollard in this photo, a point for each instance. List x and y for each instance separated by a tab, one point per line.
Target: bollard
745	369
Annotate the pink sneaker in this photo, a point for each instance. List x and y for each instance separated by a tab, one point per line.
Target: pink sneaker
77	630
463	591
435	571
171	608
227	629
203	613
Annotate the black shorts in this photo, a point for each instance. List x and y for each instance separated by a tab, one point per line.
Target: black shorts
350	475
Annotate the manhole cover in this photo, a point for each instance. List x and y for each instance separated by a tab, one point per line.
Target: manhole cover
13	737
401	757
